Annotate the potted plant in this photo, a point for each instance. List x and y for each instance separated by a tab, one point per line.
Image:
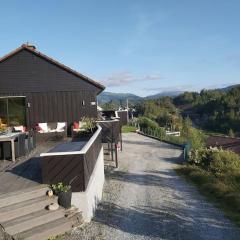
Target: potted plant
64	193
89	125
3	127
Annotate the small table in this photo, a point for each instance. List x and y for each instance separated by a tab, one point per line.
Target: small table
10	137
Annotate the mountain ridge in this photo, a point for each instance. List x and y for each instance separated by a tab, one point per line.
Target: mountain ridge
106	96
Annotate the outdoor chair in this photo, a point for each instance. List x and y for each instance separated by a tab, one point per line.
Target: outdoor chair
30	141
51	131
78	128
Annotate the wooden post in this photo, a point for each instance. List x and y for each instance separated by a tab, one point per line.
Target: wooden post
13	150
112	150
116	155
121	139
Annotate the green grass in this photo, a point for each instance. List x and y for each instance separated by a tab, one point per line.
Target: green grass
176	140
127	129
220	190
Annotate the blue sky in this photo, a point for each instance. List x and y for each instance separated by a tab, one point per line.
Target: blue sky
137	46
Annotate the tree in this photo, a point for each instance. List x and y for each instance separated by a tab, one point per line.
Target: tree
231	133
109	106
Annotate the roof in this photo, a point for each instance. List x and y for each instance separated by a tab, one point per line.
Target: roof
33	50
227	143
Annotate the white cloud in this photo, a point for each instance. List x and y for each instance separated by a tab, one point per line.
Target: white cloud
171	88
126	77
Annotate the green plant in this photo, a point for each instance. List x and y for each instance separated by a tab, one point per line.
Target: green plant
127	129
90	124
231	133
145	122
221	188
60	187
218	161
2	126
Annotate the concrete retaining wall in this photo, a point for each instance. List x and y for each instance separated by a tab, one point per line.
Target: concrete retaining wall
87	201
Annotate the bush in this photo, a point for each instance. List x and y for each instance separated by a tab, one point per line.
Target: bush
177	140
145	122
224	162
200	156
217	161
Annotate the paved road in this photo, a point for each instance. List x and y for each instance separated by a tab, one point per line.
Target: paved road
145	199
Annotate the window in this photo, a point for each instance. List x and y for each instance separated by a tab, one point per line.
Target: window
3	110
13	111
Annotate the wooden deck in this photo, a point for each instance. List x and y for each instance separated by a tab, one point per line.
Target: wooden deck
25	172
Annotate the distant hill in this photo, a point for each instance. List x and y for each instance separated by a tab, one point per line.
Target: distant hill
118	98
164	94
228	88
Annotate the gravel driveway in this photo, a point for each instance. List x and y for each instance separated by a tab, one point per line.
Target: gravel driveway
145	199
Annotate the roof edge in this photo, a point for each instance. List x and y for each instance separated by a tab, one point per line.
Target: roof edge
51	60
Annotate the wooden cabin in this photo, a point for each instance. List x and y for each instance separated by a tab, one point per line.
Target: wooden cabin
35	88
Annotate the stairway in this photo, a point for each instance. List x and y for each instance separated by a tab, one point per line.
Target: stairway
23	215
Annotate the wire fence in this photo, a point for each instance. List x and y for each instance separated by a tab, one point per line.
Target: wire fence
160	135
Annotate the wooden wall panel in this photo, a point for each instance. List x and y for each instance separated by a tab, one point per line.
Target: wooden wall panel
26	72
65	168
57	106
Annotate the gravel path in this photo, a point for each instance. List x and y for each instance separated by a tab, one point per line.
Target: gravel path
145	199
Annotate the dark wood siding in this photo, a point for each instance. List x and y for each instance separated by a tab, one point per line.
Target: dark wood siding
123	117
26	72
65	168
111	131
53	93
57	106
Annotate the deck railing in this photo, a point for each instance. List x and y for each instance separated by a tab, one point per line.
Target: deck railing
73	167
111	130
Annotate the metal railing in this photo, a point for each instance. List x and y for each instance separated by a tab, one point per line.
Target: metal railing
157	134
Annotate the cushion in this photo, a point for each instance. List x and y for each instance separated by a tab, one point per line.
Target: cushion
43	126
60	126
76	125
52	125
19	128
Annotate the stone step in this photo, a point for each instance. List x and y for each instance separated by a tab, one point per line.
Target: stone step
23	208
47	230
22	195
32	220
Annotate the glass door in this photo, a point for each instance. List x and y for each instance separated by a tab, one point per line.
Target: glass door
3	110
13	111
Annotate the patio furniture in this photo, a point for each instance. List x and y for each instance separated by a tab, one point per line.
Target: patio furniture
111	134
72	162
30	141
51	131
20	128
13	145
77	127
108	115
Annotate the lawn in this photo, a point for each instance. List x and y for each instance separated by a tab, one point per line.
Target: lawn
127	129
220	190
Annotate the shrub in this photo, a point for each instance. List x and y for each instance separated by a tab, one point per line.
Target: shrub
216	160
145	122
217	188
160	132
224	162
200	156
